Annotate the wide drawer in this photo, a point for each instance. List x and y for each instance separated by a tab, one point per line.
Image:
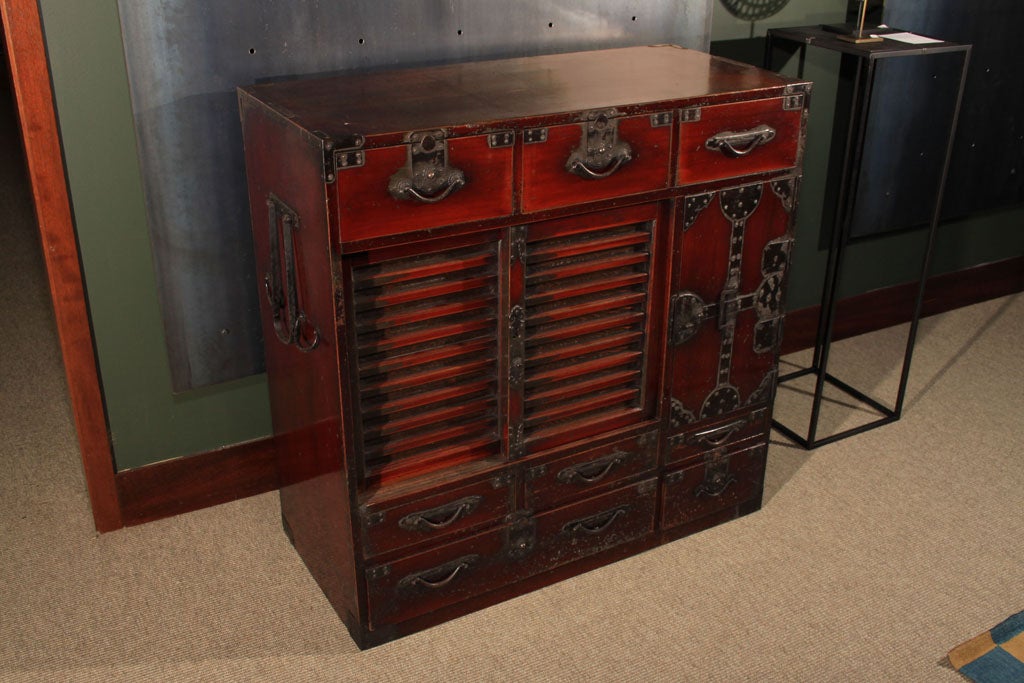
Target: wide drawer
527	545
721	481
435	517
724	433
604	157
740	138
403	188
558	481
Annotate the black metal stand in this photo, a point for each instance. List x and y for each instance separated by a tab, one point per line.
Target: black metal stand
867	55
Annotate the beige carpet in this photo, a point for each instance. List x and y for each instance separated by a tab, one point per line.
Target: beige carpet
870	560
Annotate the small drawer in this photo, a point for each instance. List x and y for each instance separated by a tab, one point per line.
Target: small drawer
558	481
433	518
594	524
387	194
717	434
731	140
427	581
722	481
604	157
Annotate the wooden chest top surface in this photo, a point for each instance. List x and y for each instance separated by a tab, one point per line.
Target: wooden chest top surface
475	93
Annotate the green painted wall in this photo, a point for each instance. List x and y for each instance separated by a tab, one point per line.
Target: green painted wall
148	422
870	264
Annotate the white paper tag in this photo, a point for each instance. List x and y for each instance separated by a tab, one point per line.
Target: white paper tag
911	38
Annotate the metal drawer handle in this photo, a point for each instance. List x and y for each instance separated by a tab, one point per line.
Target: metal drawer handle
446	573
580	167
714	485
290	323
596	524
733	144
453	183
427	176
593	471
440	517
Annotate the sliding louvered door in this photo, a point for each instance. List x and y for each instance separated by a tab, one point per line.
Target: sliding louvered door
426	339
586	296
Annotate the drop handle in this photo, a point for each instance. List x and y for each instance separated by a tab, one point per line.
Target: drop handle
596	524
593	471
445	573
738	144
440	517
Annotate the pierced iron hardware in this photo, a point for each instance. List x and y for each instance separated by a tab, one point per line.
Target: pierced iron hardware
440	517
694	205
378	572
785	190
764	389
724	399
738	144
688	311
534	135
775	256
717	477
739	202
517	243
793	102
503	138
517	442
728	309
439	576
517	346
690	115
349	158
595	524
372	518
502	480
521	536
427	177
593	471
679	416
767	335
661	119
600	153
768	297
290	323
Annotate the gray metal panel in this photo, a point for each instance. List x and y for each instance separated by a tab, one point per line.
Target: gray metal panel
185	58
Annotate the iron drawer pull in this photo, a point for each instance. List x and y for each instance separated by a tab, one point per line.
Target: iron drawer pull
708	436
596	524
714	485
447	572
733	144
593	471
453	184
581	169
440	517
283	295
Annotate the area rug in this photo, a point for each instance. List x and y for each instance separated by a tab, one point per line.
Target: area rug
995	656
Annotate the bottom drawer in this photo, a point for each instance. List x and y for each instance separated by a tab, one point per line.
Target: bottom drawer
721	481
526	545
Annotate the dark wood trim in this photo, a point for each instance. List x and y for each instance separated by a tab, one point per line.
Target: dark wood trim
197	481
890	306
30	78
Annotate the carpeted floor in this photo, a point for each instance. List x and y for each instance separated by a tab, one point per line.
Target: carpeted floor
870	560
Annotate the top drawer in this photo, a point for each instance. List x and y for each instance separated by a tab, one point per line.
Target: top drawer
730	140
603	157
428	182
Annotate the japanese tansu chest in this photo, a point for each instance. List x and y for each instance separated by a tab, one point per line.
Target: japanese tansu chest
522	317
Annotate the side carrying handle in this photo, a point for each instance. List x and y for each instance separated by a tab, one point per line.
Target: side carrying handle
738	144
290	322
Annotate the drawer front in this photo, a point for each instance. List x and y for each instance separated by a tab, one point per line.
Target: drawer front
558	481
732	140
723	480
562	169
594	524
424	582
718	434
435	517
368	207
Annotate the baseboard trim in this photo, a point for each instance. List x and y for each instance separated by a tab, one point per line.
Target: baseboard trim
198	481
890	306
173	487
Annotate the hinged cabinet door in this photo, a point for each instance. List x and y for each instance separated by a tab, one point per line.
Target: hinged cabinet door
581	344
726	306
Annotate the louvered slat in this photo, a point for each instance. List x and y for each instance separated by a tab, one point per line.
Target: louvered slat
426	330
585	300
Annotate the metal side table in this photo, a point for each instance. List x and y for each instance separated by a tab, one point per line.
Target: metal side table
867	57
